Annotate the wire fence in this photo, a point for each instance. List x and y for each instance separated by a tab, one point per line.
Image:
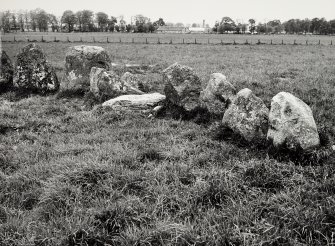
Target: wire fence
158	40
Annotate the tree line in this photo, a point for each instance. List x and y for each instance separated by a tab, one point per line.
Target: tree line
292	26
88	21
81	21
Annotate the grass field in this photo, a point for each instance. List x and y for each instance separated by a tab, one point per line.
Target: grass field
75	176
154	38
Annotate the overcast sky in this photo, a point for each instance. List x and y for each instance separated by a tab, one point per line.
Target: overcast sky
187	11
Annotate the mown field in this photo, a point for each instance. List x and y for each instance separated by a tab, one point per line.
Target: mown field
155	38
73	175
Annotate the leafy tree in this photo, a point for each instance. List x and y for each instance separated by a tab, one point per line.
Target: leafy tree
122	25
140	23
332	26
274	26
5	21
117	28
54	22
13	22
252	26
20	17
159	22
150	27
33	19
216	26
42	20
111	24
87	20
128	28
228	24
243	28
141	20
70	19
102	19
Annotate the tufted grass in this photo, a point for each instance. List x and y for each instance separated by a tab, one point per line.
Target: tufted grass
74	174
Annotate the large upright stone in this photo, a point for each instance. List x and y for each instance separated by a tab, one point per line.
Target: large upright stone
6	71
247	116
78	63
291	122
107	84
182	86
218	94
33	72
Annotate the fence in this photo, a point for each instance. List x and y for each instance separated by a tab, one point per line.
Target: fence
151	40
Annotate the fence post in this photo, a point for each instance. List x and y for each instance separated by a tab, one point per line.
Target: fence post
158	42
42	40
234	42
68	40
306	42
294	42
246	42
195	41
81	39
146	40
221	42
14	39
171	41
331	42
183	41
282	41
107	40
55	40
319	42
133	40
259	41
93	39
271	41
120	40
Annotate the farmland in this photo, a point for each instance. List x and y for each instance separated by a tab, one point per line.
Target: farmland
72	174
154	38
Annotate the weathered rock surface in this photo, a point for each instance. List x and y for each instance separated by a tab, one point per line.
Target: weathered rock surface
218	94
291	122
33	72
133	80
78	63
108	84
135	102
247	116
182	86
6	71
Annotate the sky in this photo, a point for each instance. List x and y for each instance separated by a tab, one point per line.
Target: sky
187	11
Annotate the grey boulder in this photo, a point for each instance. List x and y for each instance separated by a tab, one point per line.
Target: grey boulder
291	122
247	116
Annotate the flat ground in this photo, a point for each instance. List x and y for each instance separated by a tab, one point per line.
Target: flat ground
74	175
154	38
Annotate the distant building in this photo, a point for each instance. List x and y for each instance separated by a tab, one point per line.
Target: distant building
199	30
172	29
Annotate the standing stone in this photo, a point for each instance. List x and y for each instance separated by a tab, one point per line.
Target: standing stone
247	116
6	71
218	94
107	84
33	72
182	86
78	63
291	122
